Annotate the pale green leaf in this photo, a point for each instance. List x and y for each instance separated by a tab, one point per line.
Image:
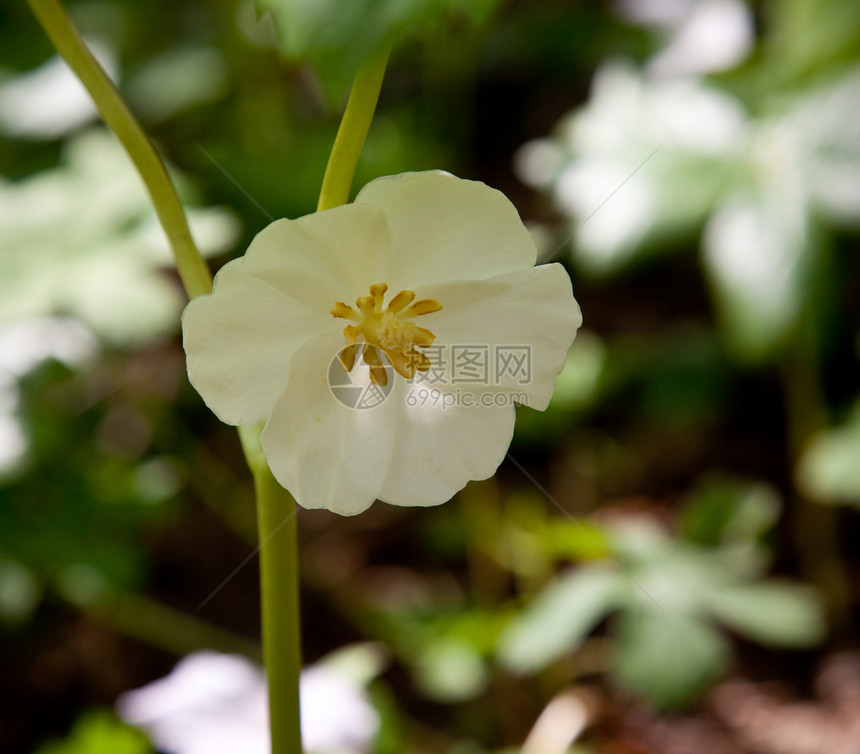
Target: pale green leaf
757	251
560	617
770	612
829	469
450	670
667	658
81	240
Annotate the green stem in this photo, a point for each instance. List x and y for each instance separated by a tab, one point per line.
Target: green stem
279	590
165	627
192	269
815	525
279	594
353	131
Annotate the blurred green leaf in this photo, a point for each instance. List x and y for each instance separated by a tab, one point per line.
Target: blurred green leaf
804	36
576	386
20	592
82	240
176	81
770	612
91	489
99	732
560	617
757	255
336	37
451	670
391	738
829	469
667	658
577	539
723	509
668	594
445	650
672	145
827	119
677	578
640	540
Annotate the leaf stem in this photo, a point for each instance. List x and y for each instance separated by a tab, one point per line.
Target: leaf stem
193	271
353	131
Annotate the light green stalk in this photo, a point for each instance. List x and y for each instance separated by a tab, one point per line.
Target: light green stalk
353	131
192	269
276	508
279	591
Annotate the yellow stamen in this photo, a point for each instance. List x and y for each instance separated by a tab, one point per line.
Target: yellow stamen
347	356
351	334
342	311
401	301
424	306
366	304
387	331
423	337
378	291
377	370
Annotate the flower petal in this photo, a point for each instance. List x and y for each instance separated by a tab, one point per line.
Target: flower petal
239	342
325	453
440	448
325	257
446	228
522	324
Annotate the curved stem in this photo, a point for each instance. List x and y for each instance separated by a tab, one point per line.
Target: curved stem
192	269
353	131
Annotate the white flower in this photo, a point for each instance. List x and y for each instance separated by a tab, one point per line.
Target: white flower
214	703
454	300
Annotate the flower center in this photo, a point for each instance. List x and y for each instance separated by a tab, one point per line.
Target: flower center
388	331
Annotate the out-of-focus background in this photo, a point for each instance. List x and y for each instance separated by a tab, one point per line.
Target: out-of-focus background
668	560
